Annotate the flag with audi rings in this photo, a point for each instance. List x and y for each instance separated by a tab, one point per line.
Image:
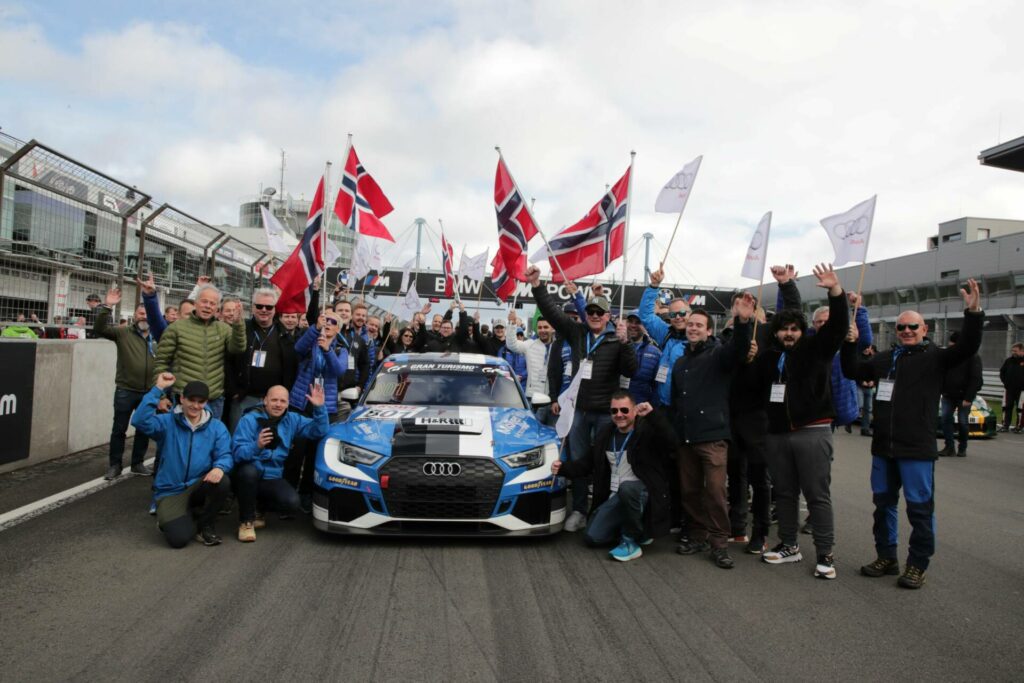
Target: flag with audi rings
675	194
753	265
850	232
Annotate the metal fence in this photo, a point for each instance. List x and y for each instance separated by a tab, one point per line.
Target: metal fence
69	231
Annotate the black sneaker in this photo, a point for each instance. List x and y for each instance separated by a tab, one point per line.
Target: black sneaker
912	577
720	556
756	546
961	452
113	472
688	547
207	536
867	432
141	468
883	566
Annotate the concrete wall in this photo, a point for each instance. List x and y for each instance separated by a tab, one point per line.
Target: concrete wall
72	404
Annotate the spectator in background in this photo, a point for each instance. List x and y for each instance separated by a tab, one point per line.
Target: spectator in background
192	482
197	347
92	301
185	308
19	330
844	390
290	323
536	352
1011	374
497	345
867	397
171	314
960	386
642	386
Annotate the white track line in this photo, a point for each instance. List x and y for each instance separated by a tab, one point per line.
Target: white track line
39	507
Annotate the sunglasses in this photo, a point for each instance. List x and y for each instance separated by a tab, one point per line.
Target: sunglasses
263	307
677	314
908	326
619	411
594	312
331	321
406	336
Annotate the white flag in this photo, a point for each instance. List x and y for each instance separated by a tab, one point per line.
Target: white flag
366	256
276	233
850	232
474	267
673	197
540	256
405	275
753	267
567	406
332	253
410	304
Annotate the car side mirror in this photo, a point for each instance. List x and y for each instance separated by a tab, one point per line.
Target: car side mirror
540	400
351	394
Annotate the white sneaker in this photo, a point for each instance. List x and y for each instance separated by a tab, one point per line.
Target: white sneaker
782	554
576	521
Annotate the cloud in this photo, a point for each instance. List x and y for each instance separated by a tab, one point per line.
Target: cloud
802	113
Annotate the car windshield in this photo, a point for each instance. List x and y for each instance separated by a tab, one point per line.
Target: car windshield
425	384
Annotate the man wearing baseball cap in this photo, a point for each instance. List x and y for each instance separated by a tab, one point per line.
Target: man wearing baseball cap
195	456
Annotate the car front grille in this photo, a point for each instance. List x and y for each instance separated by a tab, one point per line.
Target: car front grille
471	494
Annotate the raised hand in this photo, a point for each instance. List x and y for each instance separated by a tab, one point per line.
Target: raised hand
744	307
854	299
533	276
425	309
644	408
511	317
571	287
165	380
597	289
752	351
972	296
621	332
323	342
828	279
657	276
204	280
852	334
148	286
315	395
113	296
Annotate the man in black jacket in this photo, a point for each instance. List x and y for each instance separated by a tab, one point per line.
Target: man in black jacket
1011	374
908	380
960	386
631	469
601	353
795	377
700	410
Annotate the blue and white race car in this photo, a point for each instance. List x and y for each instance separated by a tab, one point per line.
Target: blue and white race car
440	444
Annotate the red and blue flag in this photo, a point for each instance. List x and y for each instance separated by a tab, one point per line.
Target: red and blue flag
515	223
361	203
305	263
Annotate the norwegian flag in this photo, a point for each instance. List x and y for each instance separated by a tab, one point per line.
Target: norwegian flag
297	273
447	261
515	224
502	283
589	246
361	203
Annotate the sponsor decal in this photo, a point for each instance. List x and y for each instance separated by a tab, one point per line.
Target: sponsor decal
512	424
390	412
534	485
344	481
433	367
444	421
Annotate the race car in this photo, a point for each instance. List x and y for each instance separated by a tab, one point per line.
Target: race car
981	421
441	445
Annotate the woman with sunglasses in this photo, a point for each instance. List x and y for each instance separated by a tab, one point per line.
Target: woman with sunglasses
404	343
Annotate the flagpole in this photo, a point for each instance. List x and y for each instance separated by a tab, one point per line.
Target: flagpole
867	244
458	278
679	218
529	211
753	335
625	233
324	220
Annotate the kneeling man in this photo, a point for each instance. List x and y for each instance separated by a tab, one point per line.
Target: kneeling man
263	438
631	473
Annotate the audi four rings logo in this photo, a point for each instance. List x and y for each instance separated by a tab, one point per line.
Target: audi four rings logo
442	469
851	228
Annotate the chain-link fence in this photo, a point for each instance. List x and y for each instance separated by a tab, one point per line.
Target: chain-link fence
69	232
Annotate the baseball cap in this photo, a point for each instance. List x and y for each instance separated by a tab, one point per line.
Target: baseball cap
569	308
599	302
633	314
196	390
497	325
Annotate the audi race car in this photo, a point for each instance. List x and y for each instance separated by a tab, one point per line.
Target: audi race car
981	421
440	444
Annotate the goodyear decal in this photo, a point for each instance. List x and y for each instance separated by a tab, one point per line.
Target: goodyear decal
534	485
344	481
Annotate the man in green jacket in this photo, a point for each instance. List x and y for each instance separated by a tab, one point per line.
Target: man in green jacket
194	348
136	359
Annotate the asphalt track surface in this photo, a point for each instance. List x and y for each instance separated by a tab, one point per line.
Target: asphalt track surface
89	591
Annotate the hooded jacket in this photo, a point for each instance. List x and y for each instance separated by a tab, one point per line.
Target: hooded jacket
186	454
290	426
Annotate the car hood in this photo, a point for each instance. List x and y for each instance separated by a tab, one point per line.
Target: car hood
442	430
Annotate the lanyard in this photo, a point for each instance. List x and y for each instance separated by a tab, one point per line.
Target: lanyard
620	451
149	345
596	343
547	352
262	342
896	353
782	364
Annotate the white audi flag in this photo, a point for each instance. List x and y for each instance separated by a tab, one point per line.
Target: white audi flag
406	269
567	406
366	256
850	232
753	266
410	304
277	235
473	267
673	197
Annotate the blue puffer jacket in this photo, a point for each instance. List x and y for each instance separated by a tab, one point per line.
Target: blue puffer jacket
186	455
642	386
516	360
270	462
844	391
673	344
313	363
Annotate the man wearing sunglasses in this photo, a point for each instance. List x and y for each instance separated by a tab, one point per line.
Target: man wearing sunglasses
269	359
908	381
601	353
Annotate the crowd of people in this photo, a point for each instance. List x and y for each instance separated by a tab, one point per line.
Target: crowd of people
675	427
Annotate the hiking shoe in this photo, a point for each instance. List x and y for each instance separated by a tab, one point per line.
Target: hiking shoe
206	536
961	452
260	521
626	550
688	547
141	468
246	532
881	567
756	546
720	556
113	472
912	577
947	452
576	521
782	553
739	538
825	568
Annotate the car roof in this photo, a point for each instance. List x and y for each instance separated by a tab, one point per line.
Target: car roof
460	358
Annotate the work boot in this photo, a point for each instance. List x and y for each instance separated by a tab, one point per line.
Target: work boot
720	556
947	452
912	577
207	536
881	567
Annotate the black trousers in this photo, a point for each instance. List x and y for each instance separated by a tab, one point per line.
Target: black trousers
196	506
747	468
271	494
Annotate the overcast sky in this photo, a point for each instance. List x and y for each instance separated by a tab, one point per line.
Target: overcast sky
804	113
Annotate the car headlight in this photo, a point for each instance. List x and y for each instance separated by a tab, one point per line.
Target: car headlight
353	455
528	459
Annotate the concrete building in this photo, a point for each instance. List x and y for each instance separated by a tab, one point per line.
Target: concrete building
293	214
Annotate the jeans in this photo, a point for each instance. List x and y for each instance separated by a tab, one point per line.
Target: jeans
622	515
917	479
545	416
272	494
216	407
238	408
949	406
585	425
802	461
702	482
125	403
180	514
867	395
